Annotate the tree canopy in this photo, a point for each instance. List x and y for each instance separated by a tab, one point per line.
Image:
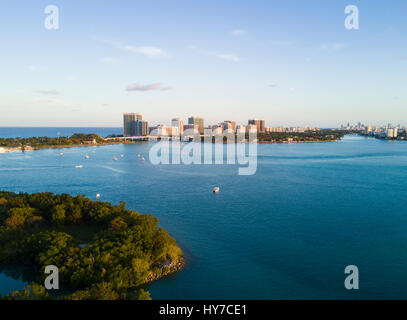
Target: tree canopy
103	251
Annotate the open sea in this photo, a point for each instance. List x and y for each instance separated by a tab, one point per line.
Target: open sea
287	232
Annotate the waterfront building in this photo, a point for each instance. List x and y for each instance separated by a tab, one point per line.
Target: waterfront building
173	131
251	128
240	128
191	127
199	122
141	128
217	129
159	130
229	125
129	123
177	122
392	133
260	124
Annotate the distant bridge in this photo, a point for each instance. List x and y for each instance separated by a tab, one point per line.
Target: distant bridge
130	139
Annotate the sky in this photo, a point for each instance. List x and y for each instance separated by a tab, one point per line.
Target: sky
289	62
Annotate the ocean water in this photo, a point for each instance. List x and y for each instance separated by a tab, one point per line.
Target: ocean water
287	232
27	132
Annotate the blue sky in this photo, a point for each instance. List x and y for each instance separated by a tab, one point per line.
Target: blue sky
290	62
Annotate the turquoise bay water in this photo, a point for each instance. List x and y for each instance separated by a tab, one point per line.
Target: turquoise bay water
285	233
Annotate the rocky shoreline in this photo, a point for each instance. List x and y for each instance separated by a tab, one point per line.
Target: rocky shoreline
166	269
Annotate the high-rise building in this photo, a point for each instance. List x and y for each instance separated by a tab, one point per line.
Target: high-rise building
229	125
251	128
260	124
217	129
191	127
199	122
141	128
129	122
177	122
240	128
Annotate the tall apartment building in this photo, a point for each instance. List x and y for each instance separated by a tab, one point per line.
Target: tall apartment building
129	123
199	122
260	124
141	128
229	125
240	128
177	122
251	128
191	127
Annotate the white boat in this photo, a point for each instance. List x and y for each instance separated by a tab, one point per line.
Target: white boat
115	159
138	155
142	159
216	190
79	166
87	157
61	153
97	196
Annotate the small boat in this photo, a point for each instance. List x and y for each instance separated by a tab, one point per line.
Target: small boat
97	196
61	153
87	157
216	190
139	155
115	159
79	166
142	159
121	156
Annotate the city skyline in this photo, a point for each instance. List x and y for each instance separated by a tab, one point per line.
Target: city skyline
292	64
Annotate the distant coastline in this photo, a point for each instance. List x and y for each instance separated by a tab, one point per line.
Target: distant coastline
29	148
94	140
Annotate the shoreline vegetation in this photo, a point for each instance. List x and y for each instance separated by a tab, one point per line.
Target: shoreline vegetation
89	140
102	251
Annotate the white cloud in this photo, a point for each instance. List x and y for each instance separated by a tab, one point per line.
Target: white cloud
54	102
34	68
148	87
50	92
230	57
110	61
149	51
282	43
332	46
239	32
224	56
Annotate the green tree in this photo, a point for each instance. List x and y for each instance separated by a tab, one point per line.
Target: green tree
31	292
118	224
58	214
